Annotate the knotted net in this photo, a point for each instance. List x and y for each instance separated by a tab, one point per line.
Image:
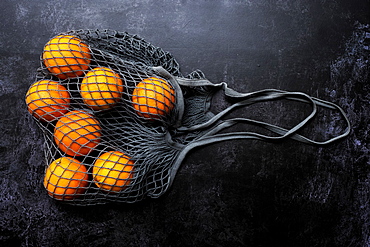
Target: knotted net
118	116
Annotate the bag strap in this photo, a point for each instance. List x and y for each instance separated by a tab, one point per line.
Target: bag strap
246	99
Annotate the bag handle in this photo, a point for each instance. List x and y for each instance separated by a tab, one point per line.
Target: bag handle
254	97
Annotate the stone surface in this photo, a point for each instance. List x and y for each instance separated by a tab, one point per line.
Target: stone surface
239	193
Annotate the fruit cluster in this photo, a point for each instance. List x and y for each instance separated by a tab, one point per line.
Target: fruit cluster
76	130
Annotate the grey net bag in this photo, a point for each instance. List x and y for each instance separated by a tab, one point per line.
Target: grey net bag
118	116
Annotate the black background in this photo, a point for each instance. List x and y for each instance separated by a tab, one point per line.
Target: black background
238	193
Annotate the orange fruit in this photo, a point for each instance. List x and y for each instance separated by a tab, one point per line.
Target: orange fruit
101	88
66	178
66	56
113	171
77	133
47	100
153	98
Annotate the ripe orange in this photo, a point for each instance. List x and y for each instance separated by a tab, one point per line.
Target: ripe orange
66	56
153	98
77	133
101	88
66	178
47	100
113	171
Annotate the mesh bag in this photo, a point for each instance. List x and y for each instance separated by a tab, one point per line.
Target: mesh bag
118	117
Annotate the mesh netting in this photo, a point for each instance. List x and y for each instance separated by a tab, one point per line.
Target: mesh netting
118	116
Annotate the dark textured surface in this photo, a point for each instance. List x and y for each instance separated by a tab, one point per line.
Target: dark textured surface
239	193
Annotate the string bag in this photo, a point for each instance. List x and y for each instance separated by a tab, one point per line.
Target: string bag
118	116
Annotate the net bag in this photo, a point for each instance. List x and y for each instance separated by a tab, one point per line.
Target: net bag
118	116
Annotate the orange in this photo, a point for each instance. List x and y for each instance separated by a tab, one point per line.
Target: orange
153	98
101	88
77	133
47	100
113	171
66	56
66	178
